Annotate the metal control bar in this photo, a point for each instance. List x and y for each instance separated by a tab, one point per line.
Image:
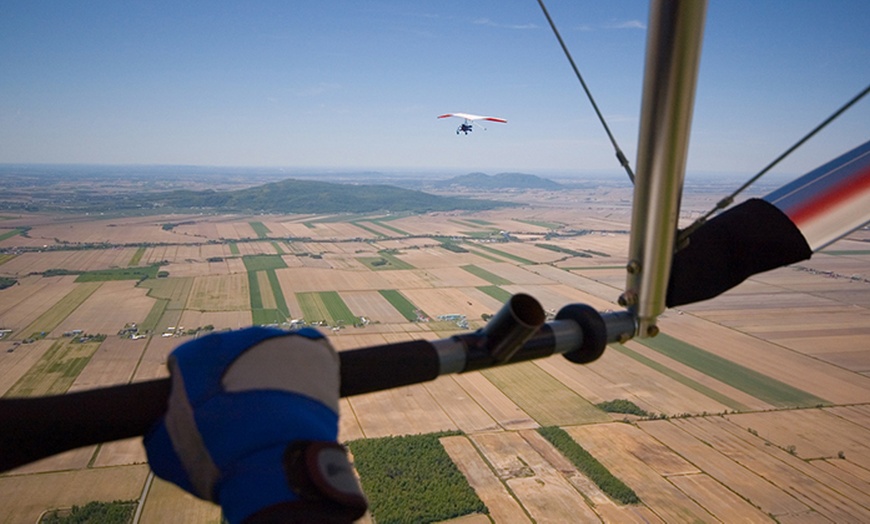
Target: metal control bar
35	428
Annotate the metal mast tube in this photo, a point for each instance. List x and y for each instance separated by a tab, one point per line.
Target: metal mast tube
671	70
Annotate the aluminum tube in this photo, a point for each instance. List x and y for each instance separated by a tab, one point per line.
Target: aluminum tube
671	70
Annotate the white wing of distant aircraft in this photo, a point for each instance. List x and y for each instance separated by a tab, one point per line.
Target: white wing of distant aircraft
467	126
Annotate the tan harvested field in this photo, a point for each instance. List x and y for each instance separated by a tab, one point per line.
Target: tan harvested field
83	260
503	507
541	489
14	364
403	411
496	404
220	293
191	319
168	503
34	494
153	362
445	301
830	382
113	363
807	326
437	257
373	306
121	453
22	304
108	309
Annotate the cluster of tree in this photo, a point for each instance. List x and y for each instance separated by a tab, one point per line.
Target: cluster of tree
620	405
7	282
118	512
589	465
412	479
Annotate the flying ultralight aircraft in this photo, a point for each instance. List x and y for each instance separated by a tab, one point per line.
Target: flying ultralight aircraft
665	268
467	126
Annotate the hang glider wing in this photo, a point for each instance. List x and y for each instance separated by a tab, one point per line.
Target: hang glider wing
472	118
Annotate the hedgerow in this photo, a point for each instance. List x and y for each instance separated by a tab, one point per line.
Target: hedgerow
589	465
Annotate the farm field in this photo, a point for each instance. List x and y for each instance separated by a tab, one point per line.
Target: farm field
758	401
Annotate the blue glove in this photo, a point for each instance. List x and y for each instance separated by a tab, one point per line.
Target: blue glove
252	423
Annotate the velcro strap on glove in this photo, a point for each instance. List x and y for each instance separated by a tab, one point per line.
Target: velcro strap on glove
322	471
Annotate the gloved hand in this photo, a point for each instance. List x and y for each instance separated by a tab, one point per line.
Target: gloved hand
252	423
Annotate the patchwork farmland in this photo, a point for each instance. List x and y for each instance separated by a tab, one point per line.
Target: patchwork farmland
757	403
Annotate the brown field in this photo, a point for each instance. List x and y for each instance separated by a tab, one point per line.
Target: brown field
191	319
502	505
22	304
120	453
113	363
220	293
14	364
168	503
84	260
541	489
34	494
108	309
807	326
373	306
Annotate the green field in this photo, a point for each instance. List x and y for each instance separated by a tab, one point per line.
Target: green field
171	295
278	249
483	254
367	228
234	249
682	379
502	254
260	229
154	316
62	309
128	273
477	224
565	250
137	256
263	262
12	232
383	224
280	301
497	293
747	380
544	398
541	223
255	293
402	304
266	317
56	370
6	258
327	307
175	290
262	315
492	278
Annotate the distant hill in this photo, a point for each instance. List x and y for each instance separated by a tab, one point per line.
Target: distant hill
500	181
308	196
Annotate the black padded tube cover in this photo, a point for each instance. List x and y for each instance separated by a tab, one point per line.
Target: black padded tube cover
750	238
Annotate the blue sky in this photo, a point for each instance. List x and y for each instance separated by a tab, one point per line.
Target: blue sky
358	85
